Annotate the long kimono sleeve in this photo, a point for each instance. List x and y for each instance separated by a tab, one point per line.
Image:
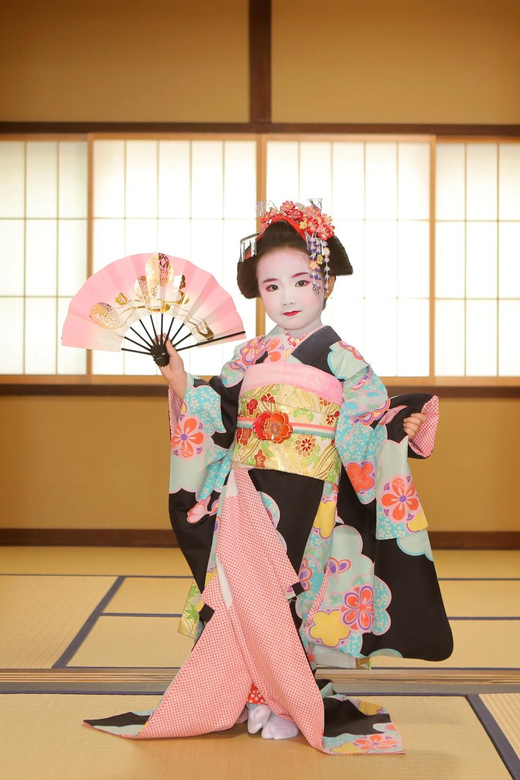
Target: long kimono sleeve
202	428
376	465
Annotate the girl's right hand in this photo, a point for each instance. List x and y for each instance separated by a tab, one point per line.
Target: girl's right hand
174	372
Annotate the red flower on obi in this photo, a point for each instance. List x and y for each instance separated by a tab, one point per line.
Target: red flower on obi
275	427
400	497
260	459
246	435
358	612
188	435
251	405
268	398
361	475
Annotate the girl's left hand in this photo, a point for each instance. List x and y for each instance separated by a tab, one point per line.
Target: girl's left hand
412	424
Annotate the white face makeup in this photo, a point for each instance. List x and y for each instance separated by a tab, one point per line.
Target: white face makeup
286	290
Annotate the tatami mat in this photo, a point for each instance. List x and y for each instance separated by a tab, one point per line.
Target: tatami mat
168	561
478	644
477	563
42	615
43	738
470	598
93	560
505	708
151	596
133	641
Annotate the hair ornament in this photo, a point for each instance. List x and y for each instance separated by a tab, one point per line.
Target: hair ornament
309	221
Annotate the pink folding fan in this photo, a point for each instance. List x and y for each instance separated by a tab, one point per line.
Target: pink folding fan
146	294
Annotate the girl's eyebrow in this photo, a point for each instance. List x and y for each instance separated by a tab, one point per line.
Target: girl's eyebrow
302	273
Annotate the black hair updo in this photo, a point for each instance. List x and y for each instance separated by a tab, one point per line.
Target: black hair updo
281	235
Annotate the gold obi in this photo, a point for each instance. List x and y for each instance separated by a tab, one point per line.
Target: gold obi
287	428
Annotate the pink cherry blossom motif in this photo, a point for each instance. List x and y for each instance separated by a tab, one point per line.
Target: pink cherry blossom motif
358	612
197	512
400	499
188	435
375	742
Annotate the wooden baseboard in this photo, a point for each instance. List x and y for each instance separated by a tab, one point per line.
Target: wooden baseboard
131	537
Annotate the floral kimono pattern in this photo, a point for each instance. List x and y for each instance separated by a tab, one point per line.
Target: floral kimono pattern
292	499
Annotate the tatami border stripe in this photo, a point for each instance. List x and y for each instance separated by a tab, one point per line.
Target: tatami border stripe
88	625
190	577
496	735
142	614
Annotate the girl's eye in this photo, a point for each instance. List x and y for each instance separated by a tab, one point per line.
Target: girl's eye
302	283
271	287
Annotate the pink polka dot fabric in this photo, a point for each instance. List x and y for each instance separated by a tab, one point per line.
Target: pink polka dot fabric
424	441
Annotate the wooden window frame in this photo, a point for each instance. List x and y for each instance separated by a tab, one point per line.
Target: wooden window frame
98	383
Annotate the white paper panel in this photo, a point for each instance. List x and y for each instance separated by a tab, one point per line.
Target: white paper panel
347	317
283	177
413	333
73	179
41	257
109	178
413	242
11	256
316	172
174	179
40	336
141	236
234	230
42	179
109	241
509	258
141	178
207	177
107	363
12	328
239	179
381	259
381	336
414	181
348	181
449	338
381	181
508	343
207	245
12	179
481	259
205	361
450	181
247	310
138	365
175	237
481	181
481	338
72	255
450	251
509	181
71	360
351	233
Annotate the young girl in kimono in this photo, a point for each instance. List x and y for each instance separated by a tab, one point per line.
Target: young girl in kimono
292	501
